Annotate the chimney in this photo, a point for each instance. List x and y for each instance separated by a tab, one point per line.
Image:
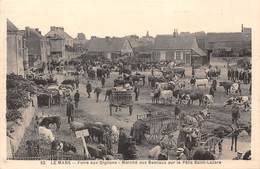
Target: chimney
242	28
53	28
27	30
107	38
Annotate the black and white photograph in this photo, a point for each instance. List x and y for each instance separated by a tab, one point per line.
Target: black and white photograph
128	80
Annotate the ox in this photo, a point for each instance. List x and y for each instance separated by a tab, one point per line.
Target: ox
230	87
202	82
164	95
46	134
64	146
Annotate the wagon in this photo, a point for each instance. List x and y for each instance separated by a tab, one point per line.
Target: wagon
121	99
160	125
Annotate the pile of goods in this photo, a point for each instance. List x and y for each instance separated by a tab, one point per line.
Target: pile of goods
18	95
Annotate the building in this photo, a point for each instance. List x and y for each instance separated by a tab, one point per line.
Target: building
38	47
225	44
200	37
61	44
80	44
110	48
143	53
17	53
179	49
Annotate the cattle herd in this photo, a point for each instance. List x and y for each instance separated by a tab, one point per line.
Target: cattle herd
168	87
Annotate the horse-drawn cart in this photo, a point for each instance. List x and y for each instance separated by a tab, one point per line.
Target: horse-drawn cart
120	99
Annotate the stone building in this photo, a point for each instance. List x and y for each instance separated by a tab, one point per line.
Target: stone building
61	44
183	50
109	48
38	47
17	53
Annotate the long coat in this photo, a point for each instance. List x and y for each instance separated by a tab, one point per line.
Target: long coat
122	143
70	109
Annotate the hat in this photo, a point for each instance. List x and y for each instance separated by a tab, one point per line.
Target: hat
180	150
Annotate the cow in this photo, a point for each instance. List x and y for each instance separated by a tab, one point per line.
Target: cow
195	95
182	96
207	100
163	95
46	121
239	100
63	146
46	134
202	154
197	119
202	82
230	87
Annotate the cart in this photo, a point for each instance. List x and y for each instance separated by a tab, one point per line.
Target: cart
121	99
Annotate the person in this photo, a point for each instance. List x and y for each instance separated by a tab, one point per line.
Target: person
70	111
193	81
77	83
130	153
177	111
152	71
136	91
122	141
76	99
89	89
214	84
235	133
212	91
97	91
235	114
103	80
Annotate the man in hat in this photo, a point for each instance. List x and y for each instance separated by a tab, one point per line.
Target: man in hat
89	88
177	111
103	80
212	91
136	91
76	99
97	91
70	111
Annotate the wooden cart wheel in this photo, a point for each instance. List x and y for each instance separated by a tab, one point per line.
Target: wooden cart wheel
213	144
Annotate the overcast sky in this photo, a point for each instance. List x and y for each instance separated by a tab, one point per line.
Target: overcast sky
125	17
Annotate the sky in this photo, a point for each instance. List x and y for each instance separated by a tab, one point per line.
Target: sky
126	17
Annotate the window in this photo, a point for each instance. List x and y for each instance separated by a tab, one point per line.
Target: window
178	55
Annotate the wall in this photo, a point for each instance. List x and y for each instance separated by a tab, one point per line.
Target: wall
19	130
15	54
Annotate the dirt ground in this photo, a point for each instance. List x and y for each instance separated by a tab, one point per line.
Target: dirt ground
90	111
